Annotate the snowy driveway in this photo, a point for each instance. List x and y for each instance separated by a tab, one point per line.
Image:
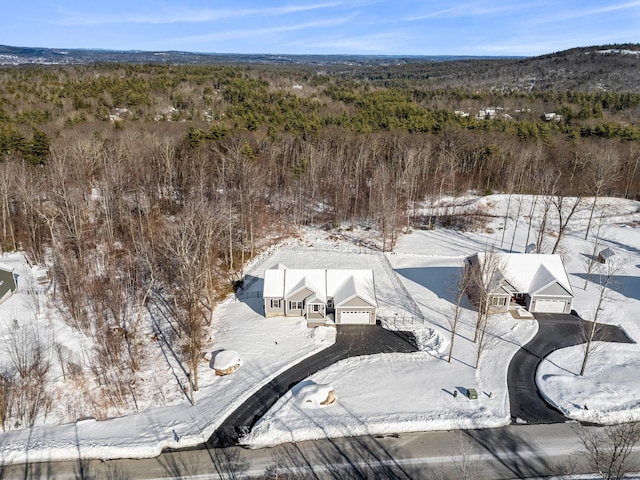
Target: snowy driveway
555	331
351	341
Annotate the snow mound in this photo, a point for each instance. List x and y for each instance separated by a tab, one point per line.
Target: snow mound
226	362
315	395
322	335
429	340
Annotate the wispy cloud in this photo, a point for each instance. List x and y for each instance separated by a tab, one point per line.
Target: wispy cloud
478	9
184	15
261	32
574	13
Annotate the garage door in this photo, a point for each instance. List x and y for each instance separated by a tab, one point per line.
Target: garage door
354	317
550	306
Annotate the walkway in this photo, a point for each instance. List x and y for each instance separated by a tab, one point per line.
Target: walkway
351	341
555	331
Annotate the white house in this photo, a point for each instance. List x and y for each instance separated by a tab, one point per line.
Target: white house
318	294
536	281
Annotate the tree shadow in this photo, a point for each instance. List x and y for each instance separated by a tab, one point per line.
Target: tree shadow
251	293
442	281
228	462
357	457
593	258
177	465
623	246
626	285
513	452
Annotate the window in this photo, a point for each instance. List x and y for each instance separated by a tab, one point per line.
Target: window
295	306
498	301
276	303
315	308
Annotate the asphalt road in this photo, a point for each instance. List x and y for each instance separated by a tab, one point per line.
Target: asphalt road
515	451
555	331
351	341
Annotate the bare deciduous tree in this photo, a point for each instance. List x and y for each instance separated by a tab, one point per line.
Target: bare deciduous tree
485	275
561	203
459	293
608	449
592	258
606	277
25	393
467	467
29	354
188	253
602	170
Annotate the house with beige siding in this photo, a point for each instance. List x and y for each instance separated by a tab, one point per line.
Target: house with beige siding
321	295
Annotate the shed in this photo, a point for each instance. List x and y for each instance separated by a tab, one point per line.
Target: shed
605	254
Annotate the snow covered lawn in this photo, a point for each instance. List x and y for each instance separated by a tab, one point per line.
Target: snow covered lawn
386	393
396	393
419	386
610	389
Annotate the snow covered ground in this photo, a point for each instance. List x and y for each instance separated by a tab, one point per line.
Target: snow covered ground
386	393
264	352
420	386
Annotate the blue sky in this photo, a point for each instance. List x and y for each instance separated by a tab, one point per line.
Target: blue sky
396	27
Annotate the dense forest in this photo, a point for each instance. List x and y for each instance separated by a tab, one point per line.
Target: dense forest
135	180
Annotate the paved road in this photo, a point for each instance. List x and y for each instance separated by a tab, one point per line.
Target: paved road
515	451
554	332
351	341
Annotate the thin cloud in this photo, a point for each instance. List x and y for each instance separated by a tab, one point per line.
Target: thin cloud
576	13
476	9
190	15
262	32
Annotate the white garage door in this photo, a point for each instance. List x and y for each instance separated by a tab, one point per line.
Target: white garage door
550	306
354	317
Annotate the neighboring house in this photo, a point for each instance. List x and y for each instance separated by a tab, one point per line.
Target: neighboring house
8	283
538	282
316	294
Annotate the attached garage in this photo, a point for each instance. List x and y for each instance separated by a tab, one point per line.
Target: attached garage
547	305
353	317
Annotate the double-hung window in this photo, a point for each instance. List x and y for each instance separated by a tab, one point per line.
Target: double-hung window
498	301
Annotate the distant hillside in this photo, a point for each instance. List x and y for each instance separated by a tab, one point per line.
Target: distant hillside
596	68
55	56
613	68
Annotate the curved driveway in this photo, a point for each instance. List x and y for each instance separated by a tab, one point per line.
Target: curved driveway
351	341
555	331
